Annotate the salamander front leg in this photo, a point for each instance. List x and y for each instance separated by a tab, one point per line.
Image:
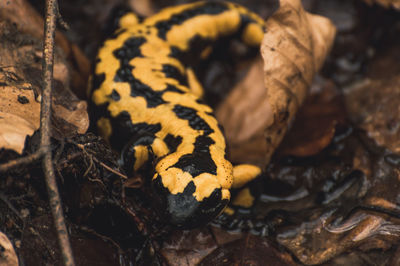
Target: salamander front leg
244	173
140	150
244	196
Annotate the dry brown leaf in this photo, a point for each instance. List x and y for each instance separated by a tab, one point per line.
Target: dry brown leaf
373	102
8	256
78	116
316	122
188	247
20	88
19	108
17	9
32	24
373	105
238	117
249	250
385	3
256	116
19	116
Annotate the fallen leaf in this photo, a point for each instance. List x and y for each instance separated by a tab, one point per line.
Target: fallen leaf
316	122
19	106
256	116
17	119
188	247
8	256
223	237
373	105
20	87
32	24
249	250
352	210
241	118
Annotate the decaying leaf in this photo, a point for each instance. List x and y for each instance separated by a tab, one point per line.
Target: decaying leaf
385	3
32	24
19	116
20	87
249	250
239	117
294	48
374	106
19	108
316	122
373	102
356	206
7	253
176	251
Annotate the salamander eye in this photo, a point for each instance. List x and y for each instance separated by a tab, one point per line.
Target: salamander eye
183	210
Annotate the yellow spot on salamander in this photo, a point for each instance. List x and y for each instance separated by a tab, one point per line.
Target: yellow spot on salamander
128	20
141	155
175	180
105	127
207	27
194	84
226	194
229	211
253	34
159	147
206	52
205	184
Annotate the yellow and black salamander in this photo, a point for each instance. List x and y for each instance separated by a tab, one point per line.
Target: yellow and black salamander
149	106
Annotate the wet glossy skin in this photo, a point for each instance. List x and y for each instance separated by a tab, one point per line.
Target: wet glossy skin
149	105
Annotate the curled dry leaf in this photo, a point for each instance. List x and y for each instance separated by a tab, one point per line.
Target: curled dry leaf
70	113
385	3
7	253
256	116
238	115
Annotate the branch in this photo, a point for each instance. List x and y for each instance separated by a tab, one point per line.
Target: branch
21	161
45	114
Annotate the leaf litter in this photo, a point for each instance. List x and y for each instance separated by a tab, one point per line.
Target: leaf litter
330	193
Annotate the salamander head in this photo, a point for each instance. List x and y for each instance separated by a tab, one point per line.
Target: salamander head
188	201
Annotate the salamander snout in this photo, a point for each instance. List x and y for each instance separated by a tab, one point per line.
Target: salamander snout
183	209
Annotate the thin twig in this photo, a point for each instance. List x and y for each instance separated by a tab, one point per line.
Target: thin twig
21	161
102	237
82	147
110	169
60	19
45	112
10	206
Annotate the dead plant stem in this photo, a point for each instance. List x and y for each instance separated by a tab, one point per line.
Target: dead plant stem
45	115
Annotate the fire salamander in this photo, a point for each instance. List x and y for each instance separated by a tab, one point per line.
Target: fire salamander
149	107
